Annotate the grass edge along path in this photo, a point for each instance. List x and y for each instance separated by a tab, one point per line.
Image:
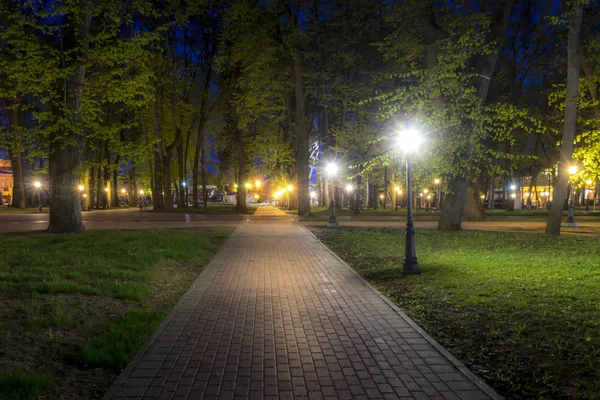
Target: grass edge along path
69	337
521	311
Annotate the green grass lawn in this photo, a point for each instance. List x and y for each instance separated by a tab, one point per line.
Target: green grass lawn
521	310
74	309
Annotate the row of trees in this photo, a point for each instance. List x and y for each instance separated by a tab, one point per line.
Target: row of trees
155	94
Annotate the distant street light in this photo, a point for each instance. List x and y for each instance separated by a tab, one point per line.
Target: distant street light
332	170
38	186
81	188
123	191
409	142
141	191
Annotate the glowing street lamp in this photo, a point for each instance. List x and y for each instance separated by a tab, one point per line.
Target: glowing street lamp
332	170
248	185
141	191
38	185
81	188
123	191
290	188
349	188
409	141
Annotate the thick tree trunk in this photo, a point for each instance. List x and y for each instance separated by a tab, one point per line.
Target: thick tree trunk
570	123
131	185
167	178
18	200
357	192
65	205
453	207
115	192
195	172
181	196
385	185
453	204
158	198
203	172
302	136
241	207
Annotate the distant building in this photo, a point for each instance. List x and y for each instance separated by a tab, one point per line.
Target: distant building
6	182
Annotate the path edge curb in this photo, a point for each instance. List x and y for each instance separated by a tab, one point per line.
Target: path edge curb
124	373
457	364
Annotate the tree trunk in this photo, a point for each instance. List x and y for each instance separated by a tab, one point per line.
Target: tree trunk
453	207
181	197
357	192
18	200
385	185
241	207
167	178
65	205
198	148
570	123
132	187
158	199
203	171
302	135
115	184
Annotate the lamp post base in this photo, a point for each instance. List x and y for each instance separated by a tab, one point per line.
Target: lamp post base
332	223
411	267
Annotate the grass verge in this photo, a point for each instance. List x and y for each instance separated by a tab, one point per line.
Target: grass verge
21	385
76	308
521	310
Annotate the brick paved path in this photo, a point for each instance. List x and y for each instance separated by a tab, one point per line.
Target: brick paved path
276	315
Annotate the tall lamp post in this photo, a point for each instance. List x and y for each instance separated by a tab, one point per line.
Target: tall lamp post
38	186
332	170
409	141
571	216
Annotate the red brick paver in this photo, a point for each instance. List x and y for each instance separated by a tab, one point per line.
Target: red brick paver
277	315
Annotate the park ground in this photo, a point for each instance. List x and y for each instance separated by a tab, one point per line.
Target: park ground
76	308
520	310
